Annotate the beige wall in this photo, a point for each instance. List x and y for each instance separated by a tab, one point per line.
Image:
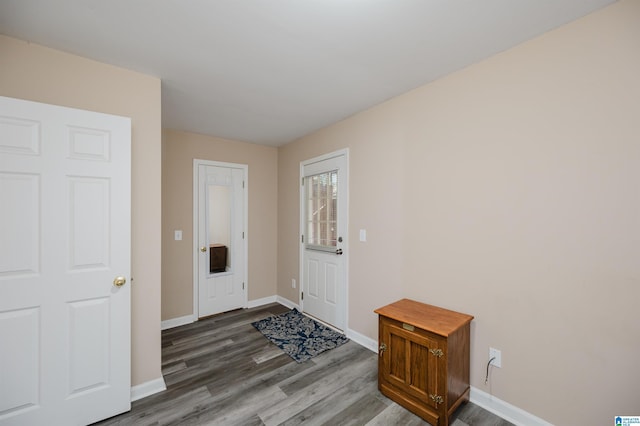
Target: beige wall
40	74
508	190
179	151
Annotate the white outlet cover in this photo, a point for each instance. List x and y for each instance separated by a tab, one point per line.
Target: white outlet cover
497	354
177	235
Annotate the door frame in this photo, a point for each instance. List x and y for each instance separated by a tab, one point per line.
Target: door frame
245	223
345	309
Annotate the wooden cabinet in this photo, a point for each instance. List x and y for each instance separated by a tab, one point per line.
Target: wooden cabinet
424	358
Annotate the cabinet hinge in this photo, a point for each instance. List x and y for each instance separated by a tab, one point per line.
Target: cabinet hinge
242	184
436	352
243	286
243	235
302	239
302	181
302	296
436	398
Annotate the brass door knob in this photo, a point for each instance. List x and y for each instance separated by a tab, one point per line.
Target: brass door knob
203	249
119	281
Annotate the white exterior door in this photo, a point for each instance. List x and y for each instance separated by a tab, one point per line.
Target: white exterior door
221	238
64	238
324	213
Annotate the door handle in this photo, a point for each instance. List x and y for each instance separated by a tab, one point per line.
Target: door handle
119	281
339	251
203	249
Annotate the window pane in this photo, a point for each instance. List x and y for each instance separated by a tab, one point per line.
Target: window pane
219	202
322	209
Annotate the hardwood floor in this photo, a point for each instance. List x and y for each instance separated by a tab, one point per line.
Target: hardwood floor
222	371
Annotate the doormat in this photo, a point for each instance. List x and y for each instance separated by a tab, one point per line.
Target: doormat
299	336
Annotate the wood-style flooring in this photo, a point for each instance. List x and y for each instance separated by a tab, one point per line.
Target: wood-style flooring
222	371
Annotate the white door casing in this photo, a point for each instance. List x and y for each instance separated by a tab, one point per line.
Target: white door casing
217	183
324	264
65	186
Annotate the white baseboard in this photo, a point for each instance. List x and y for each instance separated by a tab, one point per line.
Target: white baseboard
272	299
260	302
176	322
509	412
288	303
363	340
188	319
147	389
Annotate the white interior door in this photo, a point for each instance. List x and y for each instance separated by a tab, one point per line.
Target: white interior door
65	235
221	238
324	213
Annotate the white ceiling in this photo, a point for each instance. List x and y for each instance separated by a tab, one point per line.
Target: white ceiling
271	71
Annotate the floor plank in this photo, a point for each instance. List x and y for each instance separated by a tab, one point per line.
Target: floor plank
222	371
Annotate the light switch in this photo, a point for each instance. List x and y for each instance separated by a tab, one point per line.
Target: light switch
177	235
363	235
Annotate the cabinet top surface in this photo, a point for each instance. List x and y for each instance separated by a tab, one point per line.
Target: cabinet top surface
427	317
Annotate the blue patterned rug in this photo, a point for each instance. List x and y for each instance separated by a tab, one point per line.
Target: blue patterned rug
299	336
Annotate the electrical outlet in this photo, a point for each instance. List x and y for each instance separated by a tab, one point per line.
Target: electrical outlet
496	356
293	283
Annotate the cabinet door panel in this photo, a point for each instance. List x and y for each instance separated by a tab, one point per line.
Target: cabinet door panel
421	374
409	365
397	361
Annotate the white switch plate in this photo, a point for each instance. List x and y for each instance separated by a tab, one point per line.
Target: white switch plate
363	235
177	235
497	354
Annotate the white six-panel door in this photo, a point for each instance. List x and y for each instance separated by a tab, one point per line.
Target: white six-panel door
64	238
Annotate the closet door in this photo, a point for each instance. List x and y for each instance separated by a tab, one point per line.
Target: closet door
64	264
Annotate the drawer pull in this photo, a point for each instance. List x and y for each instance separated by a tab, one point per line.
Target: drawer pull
408	326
